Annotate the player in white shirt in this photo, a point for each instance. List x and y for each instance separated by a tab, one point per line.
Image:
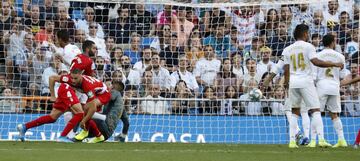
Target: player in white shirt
70	51
328	86
298	60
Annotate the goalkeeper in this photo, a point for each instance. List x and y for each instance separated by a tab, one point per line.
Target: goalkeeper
113	111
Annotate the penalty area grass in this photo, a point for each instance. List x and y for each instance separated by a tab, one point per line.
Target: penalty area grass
52	151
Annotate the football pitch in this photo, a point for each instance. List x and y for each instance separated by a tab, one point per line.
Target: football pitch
52	151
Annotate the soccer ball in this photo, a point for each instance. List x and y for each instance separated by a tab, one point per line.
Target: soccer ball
255	94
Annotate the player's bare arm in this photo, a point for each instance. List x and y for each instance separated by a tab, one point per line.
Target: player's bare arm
326	64
90	107
346	82
52	80
287	75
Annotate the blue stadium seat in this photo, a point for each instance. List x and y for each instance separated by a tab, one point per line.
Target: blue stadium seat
77	14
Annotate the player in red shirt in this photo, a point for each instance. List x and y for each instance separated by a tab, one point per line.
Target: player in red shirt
98	95
85	61
66	100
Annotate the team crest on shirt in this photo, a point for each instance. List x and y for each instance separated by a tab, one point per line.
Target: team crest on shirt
65	79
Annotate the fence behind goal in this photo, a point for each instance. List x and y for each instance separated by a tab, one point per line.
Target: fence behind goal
210	54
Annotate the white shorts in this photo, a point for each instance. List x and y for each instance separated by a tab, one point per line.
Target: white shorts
308	95
288	106
332	103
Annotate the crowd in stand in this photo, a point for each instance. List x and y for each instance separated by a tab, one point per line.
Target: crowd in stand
167	51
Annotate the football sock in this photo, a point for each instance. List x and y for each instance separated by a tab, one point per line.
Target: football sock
40	121
305	123
72	123
91	126
293	127
338	128
357	141
318	124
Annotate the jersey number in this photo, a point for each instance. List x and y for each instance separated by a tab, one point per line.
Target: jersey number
300	63
91	79
328	72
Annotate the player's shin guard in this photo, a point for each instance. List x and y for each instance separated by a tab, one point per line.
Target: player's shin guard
40	121
338	128
293	127
318	124
305	123
91	126
72	123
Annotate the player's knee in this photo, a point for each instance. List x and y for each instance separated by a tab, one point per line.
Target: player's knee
77	108
334	115
296	111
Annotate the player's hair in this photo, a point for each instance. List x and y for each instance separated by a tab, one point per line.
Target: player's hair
87	44
300	30
328	39
63	35
76	71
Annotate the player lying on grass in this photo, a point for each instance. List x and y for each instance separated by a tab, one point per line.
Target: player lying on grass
91	87
328	87
66	100
298	59
113	111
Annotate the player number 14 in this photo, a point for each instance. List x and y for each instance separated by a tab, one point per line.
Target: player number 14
300	63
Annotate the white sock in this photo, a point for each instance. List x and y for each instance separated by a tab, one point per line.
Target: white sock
305	123
313	132
338	128
293	126
288	115
318	124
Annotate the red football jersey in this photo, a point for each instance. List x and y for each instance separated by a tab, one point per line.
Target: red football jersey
84	63
90	86
66	98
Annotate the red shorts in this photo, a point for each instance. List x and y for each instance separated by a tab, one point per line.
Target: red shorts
66	98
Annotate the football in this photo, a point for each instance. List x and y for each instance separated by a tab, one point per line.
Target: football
255	94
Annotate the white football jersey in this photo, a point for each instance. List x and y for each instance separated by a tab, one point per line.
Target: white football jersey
298	56
328	79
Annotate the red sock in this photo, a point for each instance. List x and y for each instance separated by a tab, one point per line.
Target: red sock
91	126
357	141
72	123
39	121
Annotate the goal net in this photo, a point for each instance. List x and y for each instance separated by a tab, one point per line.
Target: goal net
188	65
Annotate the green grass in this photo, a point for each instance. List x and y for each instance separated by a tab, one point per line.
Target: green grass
51	151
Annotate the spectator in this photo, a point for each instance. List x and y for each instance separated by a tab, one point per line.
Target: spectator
229	106
165	17
270	25
225	78
219	42
353	46
117	75
234	42
144	21
99	42
79	38
331	16
163	38
84	24
110	46
338	46
303	14
33	90
207	68
141	65
192	17
132	76
278	108
265	64
287	17
48	10
212	19
34	24
183	75
146	82
161	76
316	40
154	106
318	25
211	105
237	65
55	68
352	108
63	22
343	29
25	9
5	16
7	105
115	58
281	40
134	52
101	74
254	51
170	54
46	34
252	73
182	92
131	105
183	27
250	108
121	27
38	62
